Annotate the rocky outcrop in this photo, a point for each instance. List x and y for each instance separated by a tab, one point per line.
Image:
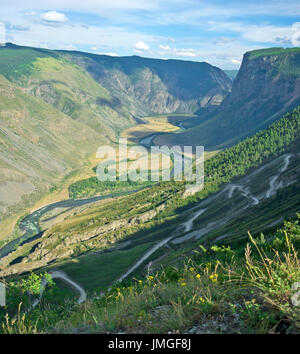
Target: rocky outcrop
52	246
266	87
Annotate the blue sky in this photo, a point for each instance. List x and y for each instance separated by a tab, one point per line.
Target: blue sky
216	31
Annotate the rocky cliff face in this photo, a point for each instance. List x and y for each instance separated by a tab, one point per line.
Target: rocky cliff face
266	87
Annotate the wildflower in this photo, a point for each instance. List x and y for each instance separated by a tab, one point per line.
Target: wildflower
253	301
192	269
183	284
214	277
140	282
150	277
198	276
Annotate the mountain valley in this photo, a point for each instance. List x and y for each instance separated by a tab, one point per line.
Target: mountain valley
138	249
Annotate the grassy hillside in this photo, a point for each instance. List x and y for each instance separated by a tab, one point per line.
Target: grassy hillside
205	275
16	61
39	145
237	289
134	86
69	88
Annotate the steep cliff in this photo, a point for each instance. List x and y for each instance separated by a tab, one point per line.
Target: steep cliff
267	85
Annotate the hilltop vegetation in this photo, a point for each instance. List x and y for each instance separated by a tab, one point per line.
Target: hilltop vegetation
272	51
93	186
16	62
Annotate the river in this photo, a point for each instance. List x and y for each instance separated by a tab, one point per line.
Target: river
30	223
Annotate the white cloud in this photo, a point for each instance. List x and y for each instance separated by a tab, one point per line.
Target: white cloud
53	16
71	47
2	33
141	46
236	62
295	39
164	47
30	13
138	51
110	39
109	54
185	54
259	33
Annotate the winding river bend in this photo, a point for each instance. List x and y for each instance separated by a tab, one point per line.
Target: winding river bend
30	224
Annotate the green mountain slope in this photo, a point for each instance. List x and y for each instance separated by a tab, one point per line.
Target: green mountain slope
64	85
38	145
